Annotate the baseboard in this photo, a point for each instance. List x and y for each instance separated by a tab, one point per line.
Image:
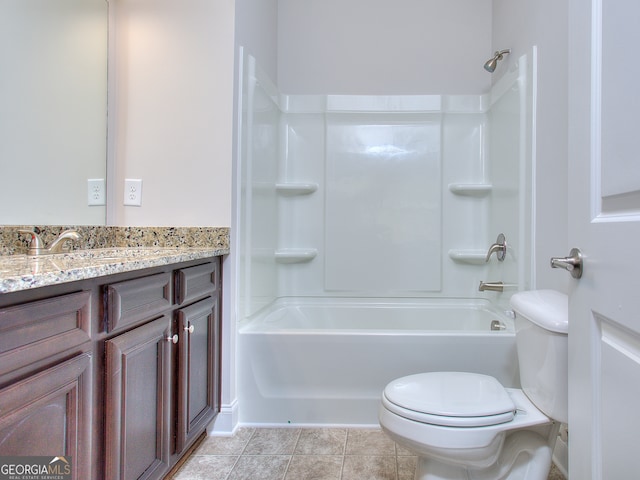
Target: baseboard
226	422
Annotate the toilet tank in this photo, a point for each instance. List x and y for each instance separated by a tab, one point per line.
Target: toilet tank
542	326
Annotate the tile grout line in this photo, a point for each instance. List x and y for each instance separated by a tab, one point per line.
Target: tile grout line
395	450
240	455
344	453
232	467
286	470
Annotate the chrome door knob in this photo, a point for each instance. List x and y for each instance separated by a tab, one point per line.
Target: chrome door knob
189	329
572	263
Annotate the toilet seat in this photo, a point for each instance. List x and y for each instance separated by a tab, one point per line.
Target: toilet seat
451	399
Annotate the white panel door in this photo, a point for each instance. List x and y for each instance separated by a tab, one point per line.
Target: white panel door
604	222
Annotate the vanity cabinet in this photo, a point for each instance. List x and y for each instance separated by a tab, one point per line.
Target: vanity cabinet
161	368
198	354
120	372
45	379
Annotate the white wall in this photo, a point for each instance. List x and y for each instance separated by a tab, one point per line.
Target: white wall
383	47
520	24
256	32
173	85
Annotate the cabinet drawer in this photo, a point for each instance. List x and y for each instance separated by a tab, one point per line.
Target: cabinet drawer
38	332
196	282
131	301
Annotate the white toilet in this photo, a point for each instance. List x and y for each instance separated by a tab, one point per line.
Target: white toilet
468	426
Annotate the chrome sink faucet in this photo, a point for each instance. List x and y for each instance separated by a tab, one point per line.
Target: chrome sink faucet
36	245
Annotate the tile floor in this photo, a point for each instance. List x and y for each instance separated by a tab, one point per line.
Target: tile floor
302	454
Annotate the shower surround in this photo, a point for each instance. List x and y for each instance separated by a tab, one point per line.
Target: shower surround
368	197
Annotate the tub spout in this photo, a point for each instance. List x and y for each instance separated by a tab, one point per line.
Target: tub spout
491	286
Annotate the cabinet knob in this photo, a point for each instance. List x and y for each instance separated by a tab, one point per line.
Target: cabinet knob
173	339
189	329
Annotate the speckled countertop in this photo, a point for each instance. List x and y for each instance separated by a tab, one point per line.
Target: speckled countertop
133	251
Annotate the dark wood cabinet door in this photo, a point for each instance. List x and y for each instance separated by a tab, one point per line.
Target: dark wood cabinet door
137	403
48	414
198	365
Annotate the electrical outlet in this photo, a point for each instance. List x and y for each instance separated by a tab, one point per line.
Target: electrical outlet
96	192
132	192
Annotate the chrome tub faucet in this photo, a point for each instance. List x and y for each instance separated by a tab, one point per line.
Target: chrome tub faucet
499	248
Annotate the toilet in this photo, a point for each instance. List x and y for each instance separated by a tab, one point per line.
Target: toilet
468	426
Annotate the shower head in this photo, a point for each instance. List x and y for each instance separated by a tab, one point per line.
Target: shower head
491	64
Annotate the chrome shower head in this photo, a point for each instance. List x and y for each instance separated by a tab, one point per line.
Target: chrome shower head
492	63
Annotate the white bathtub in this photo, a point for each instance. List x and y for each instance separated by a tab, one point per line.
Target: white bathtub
326	361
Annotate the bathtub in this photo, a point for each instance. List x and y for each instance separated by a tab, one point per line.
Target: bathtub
326	361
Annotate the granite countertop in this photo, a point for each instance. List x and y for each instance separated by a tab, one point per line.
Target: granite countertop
21	272
102	251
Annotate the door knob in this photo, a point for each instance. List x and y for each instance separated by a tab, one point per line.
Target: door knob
572	263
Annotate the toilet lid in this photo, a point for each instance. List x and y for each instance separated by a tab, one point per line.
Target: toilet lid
450	399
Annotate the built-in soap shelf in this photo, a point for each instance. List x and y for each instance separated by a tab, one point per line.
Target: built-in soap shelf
296	188
470	189
472	257
295	255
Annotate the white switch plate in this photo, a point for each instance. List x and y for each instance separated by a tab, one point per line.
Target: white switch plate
96	192
132	192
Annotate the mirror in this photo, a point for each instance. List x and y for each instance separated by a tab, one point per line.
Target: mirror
53	110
